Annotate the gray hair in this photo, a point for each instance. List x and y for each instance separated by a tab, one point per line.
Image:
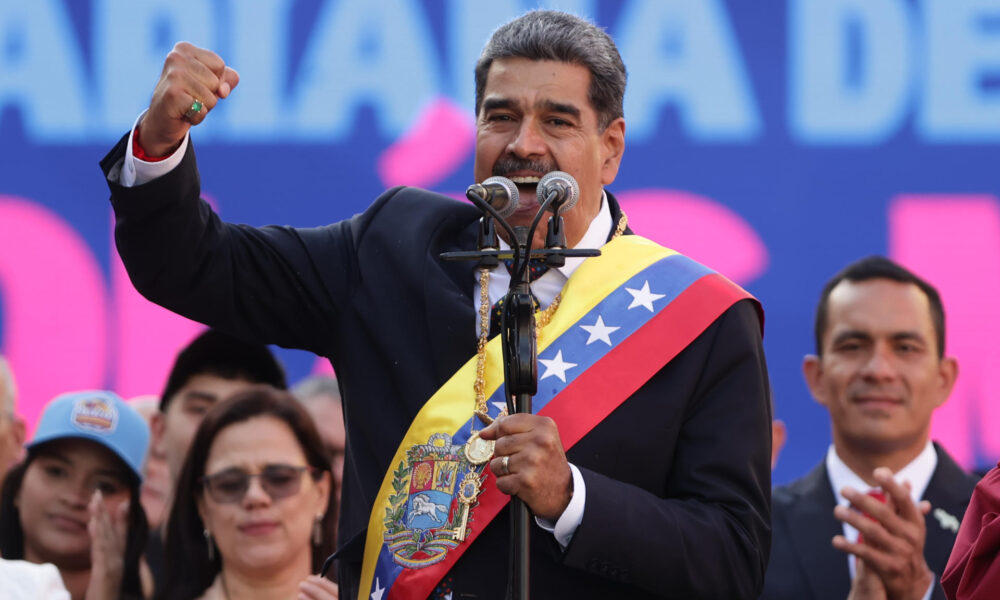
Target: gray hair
552	35
316	386
8	388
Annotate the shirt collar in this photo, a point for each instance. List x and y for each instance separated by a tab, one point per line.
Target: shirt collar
918	472
595	237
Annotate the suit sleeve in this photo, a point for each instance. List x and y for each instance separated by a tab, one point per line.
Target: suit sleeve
272	284
707	534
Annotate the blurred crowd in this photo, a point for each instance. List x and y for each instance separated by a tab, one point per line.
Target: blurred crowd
226	485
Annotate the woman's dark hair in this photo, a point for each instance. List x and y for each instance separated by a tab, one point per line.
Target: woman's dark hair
189	571
12	535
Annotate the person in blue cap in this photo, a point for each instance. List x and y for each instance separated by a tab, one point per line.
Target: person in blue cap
74	500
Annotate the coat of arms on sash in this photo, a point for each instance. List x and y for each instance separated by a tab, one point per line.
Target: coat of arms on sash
434	490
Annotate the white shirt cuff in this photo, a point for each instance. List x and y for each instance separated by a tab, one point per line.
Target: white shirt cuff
564	528
137	172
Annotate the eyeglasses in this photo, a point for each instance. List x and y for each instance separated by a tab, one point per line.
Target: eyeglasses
279	481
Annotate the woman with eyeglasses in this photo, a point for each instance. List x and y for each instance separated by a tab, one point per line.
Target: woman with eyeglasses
74	500
251	515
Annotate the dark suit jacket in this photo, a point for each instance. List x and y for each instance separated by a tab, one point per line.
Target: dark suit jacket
678	477
804	564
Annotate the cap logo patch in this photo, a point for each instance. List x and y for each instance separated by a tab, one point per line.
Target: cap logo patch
95	416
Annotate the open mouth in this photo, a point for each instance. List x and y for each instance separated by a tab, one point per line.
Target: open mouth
526	181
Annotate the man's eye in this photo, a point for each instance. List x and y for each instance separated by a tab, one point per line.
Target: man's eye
197	408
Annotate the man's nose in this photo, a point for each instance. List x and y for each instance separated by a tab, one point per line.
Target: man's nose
880	364
528	140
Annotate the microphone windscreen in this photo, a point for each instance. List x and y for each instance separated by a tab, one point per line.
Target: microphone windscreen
503	193
564	185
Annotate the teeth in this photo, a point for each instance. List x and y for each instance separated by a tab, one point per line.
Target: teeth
524	179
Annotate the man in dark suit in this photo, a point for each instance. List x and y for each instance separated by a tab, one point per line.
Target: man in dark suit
880	369
667	495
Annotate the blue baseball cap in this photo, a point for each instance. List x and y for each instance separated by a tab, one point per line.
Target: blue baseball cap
98	416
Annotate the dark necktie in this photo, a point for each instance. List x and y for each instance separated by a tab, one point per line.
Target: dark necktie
536	269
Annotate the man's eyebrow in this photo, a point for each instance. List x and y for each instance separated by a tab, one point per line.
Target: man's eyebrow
197	395
851	334
498	103
561	107
908	336
857	334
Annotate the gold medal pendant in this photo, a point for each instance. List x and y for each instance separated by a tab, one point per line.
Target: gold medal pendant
477	450
467	492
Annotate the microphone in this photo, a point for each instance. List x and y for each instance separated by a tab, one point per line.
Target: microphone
565	188
499	192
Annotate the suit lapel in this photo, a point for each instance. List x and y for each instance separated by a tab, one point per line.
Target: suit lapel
448	295
948	491
616	214
812	526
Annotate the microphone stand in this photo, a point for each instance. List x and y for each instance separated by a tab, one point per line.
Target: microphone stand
520	374
518	342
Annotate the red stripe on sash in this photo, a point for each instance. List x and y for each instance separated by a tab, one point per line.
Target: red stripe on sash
599	390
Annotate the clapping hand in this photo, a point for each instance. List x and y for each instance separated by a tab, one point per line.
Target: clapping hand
108	531
892	542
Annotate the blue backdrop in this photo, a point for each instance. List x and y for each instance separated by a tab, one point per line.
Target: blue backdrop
774	140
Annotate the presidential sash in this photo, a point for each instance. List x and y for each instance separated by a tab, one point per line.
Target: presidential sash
624	315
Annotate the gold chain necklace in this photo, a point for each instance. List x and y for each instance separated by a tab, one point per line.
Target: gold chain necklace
479	386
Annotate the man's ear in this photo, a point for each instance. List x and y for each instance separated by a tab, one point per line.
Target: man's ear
812	370
779	433
17	431
157	426
16	439
947	375
613	147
